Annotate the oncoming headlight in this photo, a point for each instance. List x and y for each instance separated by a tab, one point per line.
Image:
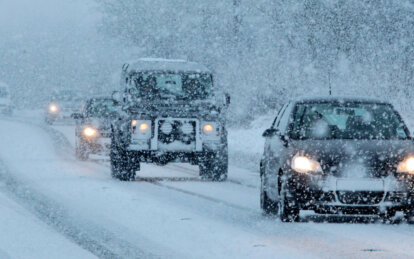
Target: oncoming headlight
53	108
406	166
141	129
90	132
208	129
303	164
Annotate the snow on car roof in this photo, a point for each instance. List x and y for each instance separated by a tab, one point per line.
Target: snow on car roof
344	99
151	64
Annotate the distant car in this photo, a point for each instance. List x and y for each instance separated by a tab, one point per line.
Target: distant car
338	156
173	112
61	105
93	127
6	104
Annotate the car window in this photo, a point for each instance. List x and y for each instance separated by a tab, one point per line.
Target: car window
347	121
278	116
285	119
100	107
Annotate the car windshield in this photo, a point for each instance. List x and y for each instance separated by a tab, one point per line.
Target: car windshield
347	121
4	93
154	85
100	107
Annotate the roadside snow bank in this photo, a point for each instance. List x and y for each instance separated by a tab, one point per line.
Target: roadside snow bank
246	144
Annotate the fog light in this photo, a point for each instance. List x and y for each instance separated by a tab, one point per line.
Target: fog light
187	128
166	128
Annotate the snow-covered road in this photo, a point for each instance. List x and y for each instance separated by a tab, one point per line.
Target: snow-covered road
74	209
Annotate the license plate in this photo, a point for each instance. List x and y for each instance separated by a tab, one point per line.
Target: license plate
359	185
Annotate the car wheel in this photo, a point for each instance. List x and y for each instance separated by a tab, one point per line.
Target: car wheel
287	212
122	167
268	206
214	166
409	215
388	217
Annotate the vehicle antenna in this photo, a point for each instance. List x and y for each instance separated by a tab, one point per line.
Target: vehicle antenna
329	82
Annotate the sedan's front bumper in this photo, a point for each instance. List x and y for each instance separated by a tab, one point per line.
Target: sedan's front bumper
334	195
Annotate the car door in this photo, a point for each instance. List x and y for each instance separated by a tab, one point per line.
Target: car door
274	148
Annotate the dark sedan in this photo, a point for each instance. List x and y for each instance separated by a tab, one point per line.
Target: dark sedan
93	127
338	156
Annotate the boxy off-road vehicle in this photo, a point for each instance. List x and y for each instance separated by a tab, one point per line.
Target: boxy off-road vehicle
170	111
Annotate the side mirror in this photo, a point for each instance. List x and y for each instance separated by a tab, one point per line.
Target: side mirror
228	98
76	116
270	133
116	96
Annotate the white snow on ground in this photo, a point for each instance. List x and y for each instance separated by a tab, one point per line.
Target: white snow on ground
22	235
168	211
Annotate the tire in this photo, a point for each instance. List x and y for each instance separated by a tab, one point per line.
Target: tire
409	215
388	217
214	166
122	168
268	206
287	212
80	152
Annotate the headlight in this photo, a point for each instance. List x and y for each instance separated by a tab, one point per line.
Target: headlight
303	164
141	129
53	108
90	132
208	128
406	166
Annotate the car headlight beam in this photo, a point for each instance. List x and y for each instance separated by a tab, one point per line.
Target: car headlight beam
304	164
406	166
53	108
90	132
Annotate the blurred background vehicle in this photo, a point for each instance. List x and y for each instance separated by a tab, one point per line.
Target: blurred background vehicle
6	104
93	127
61	104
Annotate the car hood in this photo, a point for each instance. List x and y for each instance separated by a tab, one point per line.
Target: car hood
355	158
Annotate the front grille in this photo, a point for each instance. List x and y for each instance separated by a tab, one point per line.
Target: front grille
176	130
397	197
360	197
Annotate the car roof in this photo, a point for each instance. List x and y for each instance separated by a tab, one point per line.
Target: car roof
340	99
158	64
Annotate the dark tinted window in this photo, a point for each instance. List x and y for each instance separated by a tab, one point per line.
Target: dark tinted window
173	85
100	107
347	121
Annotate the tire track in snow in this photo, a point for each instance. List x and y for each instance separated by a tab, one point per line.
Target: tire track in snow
95	239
